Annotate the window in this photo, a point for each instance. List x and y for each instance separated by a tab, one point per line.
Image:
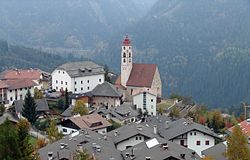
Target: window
66	83
152	107
75	82
136	138
11	98
182	142
87	81
81	88
21	89
75	89
64	130
88	88
10	90
124	48
63	72
124	60
25	88
195	133
124	55
207	143
56	88
191	133
81	82
61	82
129	54
58	71
198	143
152	100
56	81
140	138
100	80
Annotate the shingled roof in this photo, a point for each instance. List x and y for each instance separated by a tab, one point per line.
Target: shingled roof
83	68
107	90
141	75
17	83
42	105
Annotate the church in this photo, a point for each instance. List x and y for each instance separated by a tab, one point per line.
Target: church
137	76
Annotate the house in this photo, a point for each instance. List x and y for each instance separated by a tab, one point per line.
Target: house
245	127
41	109
106	94
145	100
16	89
216	152
159	149
184	132
93	122
97	146
122	114
130	135
77	77
8	116
135	75
41	78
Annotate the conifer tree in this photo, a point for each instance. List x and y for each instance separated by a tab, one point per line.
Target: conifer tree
9	142
66	99
29	108
237	145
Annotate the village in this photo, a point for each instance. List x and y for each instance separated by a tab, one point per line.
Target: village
108	116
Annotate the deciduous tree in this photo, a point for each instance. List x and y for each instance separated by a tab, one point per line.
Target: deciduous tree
37	94
53	133
80	108
237	145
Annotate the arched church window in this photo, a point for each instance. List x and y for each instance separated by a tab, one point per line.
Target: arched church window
124	48
124	54
124	60
129	54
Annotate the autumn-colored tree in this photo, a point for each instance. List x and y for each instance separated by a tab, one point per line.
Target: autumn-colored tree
237	145
80	108
37	94
40	143
208	158
161	110
2	109
53	133
83	155
23	134
202	120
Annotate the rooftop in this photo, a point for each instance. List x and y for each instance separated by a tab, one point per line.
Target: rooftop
107	90
42	105
141	75
79	69
17	83
33	74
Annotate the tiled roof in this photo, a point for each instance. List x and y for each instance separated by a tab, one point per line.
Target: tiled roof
17	83
141	75
87	121
79	69
21	74
245	127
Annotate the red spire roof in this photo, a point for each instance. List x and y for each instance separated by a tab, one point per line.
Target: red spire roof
126	41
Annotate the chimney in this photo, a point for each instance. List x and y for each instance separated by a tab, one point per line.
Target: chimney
182	156
50	155
166	125
127	155
61	145
116	133
155	129
98	148
165	146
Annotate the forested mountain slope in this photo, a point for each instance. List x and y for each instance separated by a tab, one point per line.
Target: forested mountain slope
201	47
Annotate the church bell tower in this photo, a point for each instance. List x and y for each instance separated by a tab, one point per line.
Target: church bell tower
126	60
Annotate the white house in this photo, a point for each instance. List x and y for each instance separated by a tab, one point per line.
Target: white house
92	122
186	133
77	77
146	100
16	89
136	75
130	135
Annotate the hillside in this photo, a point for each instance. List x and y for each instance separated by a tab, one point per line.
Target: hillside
81	24
201	48
13	56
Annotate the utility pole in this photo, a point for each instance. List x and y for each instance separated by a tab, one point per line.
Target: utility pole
245	105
